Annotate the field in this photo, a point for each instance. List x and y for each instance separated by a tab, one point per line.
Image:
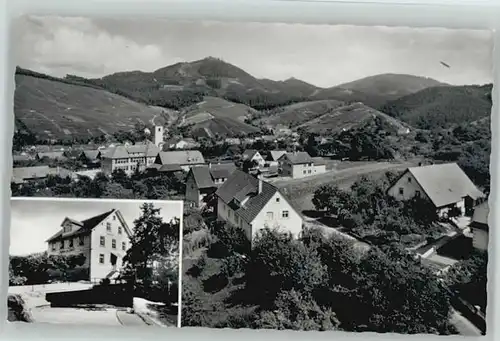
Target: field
298	113
217	116
51	109
347	117
343	175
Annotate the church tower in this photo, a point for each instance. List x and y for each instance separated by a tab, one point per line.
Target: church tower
158	136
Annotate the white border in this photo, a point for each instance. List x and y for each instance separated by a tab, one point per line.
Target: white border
484	14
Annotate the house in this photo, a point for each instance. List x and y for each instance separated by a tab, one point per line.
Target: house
232	141
181	143
102	239
274	155
72	154
129	158
300	164
179	160
252	204
51	155
480	227
204	180
22	175
21	157
232	152
90	157
445	185
253	155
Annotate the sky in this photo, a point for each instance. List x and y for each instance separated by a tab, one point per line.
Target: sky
33	221
324	55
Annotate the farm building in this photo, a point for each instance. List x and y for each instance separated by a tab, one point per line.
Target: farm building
445	185
179	160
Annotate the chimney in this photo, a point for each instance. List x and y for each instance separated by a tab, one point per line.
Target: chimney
260	183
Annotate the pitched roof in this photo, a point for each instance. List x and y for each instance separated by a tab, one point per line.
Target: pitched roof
19	174
298	158
445	184
319	161
85	226
122	151
202	177
21	157
181	157
51	155
274	155
481	212
91	154
249	153
242	185
222	170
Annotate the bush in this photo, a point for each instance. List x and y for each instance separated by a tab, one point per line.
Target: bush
17	309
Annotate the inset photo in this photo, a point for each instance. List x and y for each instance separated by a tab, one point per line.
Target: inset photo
94	262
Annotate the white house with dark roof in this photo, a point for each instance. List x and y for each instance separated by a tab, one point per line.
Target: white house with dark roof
480	227
102	239
300	164
253	204
253	155
445	185
178	160
129	158
204	180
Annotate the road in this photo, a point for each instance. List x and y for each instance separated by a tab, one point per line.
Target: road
464	326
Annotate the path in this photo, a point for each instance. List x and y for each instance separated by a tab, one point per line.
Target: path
128	319
464	326
80	316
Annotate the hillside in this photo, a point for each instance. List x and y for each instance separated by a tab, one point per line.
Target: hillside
375	91
298	113
442	106
51	108
216	116
391	85
348	117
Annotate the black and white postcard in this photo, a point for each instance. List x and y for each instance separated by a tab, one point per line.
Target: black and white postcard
94	262
334	177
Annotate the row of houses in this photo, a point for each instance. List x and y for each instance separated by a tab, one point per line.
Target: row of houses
252	204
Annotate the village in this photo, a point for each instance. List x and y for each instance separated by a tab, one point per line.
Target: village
254	189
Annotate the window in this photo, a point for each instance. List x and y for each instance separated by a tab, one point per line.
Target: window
113	243
101	258
53	245
417	193
269	215
71	242
409	179
277	199
124	246
401	190
102	241
285	214
304	172
81	240
114	217
108	226
309	171
119	230
237	219
62	244
229	214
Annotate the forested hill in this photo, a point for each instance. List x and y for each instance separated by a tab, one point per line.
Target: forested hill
443	106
